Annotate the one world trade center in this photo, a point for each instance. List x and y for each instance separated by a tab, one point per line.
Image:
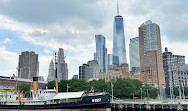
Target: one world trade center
119	51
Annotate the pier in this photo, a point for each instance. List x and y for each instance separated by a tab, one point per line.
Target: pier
154	105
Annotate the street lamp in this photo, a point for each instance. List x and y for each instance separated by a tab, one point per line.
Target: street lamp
141	94
147	94
112	91
68	88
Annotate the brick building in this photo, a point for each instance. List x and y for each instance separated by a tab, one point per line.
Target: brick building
7	83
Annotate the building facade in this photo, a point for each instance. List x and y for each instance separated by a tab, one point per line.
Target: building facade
151	63
8	83
119	50
110	59
134	53
51	72
174	69
62	67
119	73
93	64
28	65
101	53
75	77
85	72
89	71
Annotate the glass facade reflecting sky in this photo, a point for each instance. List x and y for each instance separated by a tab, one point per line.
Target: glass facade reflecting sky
101	52
119	51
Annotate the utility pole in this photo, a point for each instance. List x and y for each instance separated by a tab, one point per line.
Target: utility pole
16	78
112	91
147	95
68	87
141	94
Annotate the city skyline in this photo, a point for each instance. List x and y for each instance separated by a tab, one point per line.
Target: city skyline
43	33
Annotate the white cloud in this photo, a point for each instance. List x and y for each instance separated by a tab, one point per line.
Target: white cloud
6	40
47	51
9	62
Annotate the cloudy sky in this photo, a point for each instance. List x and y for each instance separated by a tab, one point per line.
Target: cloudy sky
44	26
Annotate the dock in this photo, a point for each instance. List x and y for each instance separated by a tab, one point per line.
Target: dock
154	105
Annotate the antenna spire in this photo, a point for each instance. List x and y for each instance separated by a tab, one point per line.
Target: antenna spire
117	7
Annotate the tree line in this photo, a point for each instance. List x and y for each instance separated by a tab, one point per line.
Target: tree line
122	88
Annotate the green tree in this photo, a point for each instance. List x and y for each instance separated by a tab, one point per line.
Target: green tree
152	92
98	85
51	85
26	88
124	88
74	85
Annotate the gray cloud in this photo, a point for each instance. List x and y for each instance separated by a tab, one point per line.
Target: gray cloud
43	12
72	24
170	15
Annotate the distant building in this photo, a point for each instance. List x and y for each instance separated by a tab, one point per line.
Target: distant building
125	66
28	65
151	63
110	61
119	50
41	78
62	67
51	72
119	73
95	68
8	83
85	72
134	53
175	69
75	77
112	67
101	52
135	70
89	71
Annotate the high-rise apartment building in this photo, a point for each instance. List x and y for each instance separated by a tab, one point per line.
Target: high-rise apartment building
93	64
101	52
62	67
174	68
51	72
119	50
28	65
134	53
151	63
110	60
89	71
85	72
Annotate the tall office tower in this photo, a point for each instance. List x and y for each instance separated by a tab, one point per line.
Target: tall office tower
51	72
172	64
101	52
28	66
119	50
109	60
95	69
151	63
134	53
85	72
62	68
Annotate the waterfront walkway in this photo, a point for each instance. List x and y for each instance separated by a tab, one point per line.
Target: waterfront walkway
178	105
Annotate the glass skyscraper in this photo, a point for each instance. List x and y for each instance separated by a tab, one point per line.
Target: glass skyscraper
101	52
134	53
119	51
